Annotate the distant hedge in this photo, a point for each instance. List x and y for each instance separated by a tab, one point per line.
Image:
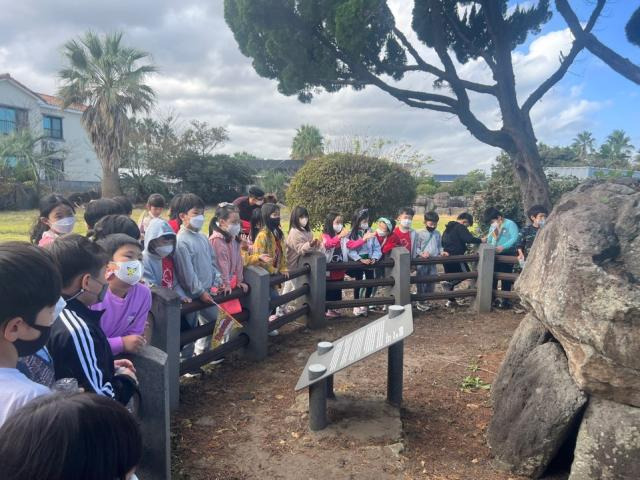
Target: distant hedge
343	183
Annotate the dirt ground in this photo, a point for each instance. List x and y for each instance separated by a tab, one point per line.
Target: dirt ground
241	420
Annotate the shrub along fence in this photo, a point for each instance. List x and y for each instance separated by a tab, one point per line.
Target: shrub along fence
310	303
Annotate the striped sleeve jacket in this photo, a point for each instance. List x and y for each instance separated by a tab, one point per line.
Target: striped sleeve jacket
80	350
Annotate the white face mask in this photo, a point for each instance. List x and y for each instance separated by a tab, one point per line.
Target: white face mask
364	226
541	223
197	221
337	227
494	225
129	272
64	225
164	251
233	229
381	232
303	222
406	222
57	310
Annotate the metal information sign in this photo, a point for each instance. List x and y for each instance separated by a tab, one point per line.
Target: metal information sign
329	358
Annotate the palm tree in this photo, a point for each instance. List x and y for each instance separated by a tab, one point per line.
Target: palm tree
584	145
307	143
107	77
617	150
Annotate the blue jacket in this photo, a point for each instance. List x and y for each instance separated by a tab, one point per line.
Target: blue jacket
369	249
508	235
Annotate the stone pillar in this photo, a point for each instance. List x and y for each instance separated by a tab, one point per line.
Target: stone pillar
401	272
484	283
152	369
165	335
257	303
317	281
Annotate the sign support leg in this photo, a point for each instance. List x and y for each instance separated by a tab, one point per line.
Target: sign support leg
394	373
330	393
318	405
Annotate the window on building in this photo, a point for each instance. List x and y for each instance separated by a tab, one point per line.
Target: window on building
52	126
8	120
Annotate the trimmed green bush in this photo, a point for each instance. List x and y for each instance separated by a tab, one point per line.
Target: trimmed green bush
343	183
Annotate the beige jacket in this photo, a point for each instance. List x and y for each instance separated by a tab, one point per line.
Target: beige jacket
298	244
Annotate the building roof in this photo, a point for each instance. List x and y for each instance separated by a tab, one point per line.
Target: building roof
48	99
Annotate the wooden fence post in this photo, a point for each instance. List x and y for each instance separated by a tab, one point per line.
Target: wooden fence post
257	303
152	368
317	281
484	283
165	335
401	273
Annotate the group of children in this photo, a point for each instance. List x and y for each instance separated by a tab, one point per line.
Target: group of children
72	304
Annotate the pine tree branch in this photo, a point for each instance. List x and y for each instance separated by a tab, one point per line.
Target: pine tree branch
576	47
617	62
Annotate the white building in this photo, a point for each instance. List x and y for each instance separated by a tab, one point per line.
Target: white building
21	107
583	173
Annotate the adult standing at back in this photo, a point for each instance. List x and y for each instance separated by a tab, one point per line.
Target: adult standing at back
247	204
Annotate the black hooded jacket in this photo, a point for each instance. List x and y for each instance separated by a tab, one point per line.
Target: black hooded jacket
456	237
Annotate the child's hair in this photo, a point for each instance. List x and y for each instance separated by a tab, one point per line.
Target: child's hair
29	281
256	192
223	212
255	223
47	204
536	210
407	210
358	217
188	201
431	217
76	255
156	200
111	243
296	214
466	216
114	224
66	436
270	198
125	203
328	223
102	207
491	214
79	198
267	209
173	207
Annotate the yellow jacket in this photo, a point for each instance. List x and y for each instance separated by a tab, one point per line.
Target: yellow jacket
266	244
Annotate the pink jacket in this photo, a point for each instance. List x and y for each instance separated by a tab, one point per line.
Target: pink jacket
228	257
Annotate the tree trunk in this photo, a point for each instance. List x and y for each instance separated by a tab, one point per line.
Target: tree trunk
531	178
110	183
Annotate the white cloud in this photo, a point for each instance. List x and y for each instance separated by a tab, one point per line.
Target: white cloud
203	75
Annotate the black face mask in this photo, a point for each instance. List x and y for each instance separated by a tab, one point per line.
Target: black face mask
431	229
29	347
273	223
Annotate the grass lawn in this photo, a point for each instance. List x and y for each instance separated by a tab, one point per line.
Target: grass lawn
17	225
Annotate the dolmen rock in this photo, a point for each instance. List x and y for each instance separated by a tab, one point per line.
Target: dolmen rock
579	342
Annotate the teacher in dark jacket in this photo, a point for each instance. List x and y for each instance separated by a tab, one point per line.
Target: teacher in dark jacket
247	204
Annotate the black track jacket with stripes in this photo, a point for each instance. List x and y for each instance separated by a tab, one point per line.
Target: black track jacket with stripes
80	350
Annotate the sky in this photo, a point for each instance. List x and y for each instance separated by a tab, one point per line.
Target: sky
202	75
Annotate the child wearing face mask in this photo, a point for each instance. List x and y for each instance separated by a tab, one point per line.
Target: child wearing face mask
429	245
158	258
299	242
196	266
407	236
224	237
362	247
538	216
27	310
77	343
334	240
127	302
56	217
388	241
503	234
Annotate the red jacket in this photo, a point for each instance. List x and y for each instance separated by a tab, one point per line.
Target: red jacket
388	243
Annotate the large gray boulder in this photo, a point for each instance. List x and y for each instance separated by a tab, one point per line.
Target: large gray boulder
532	418
529	334
582	281
608	446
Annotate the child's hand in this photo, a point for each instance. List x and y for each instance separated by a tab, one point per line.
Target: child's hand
499	249
314	243
444	254
286	274
368	236
365	261
344	233
425	255
185	300
206	298
265	258
520	255
226	289
124	363
244	287
133	343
